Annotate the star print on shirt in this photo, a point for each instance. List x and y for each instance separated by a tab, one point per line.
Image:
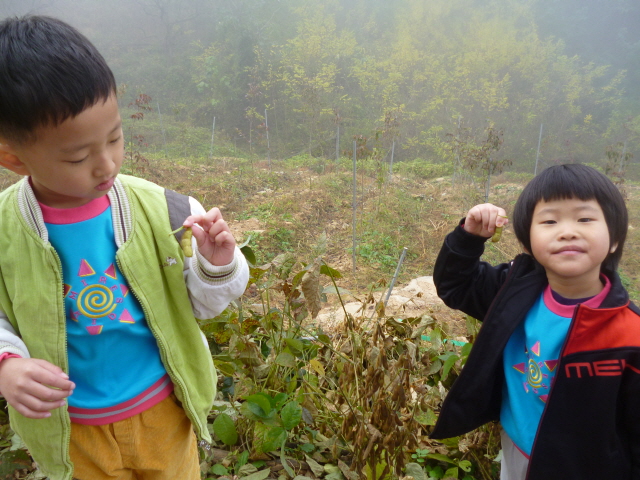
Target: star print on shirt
99	297
535	372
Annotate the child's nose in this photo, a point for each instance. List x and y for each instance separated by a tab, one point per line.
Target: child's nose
568	232
106	165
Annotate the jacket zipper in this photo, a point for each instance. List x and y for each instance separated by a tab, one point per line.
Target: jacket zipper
174	378
67	423
553	383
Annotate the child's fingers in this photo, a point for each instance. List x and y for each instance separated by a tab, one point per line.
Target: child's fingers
205	220
224	239
217	228
483	219
46	373
33	407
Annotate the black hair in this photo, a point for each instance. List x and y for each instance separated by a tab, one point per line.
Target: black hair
574	181
49	72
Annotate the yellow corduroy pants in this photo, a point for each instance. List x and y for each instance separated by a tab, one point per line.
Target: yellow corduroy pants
157	444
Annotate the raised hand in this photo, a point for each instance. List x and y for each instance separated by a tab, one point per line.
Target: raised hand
483	219
215	241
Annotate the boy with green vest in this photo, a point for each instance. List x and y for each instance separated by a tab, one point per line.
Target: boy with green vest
101	360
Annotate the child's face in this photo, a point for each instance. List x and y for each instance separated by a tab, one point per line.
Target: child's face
74	162
570	239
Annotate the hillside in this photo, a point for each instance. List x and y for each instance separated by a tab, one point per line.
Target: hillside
289	207
310	394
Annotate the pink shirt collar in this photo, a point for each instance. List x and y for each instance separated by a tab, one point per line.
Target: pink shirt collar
567	310
61	216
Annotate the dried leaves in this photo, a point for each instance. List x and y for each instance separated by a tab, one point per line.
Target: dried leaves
310	286
370	393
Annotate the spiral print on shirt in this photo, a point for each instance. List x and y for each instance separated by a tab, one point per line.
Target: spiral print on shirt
100	296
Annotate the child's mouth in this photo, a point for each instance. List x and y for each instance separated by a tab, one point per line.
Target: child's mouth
570	250
106	185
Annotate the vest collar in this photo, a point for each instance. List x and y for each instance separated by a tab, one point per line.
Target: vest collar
120	211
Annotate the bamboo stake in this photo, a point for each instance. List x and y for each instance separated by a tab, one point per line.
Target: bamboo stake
535	171
164	138
266	127
395	276
354	206
213	129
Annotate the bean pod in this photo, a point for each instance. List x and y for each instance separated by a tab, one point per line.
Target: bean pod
185	242
497	234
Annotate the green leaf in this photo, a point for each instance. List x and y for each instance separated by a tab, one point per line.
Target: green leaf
226	368
243	458
225	429
261	399
307	447
295	345
335	290
449	362
451	473
284	462
273	439
219	469
260	475
249	254
441	458
465	465
13	460
285	359
330	272
466	349
291	415
427	418
279	399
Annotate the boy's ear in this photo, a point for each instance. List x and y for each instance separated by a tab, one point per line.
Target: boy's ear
613	248
10	161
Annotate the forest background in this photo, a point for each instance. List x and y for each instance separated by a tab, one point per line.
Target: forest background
284	77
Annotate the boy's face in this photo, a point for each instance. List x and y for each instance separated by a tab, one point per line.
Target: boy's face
570	239
74	162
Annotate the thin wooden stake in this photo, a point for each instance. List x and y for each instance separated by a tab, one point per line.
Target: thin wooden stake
164	138
338	143
395	276
266	127
535	171
393	148
354	205
213	129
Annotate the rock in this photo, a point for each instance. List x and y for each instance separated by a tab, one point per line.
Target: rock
411	300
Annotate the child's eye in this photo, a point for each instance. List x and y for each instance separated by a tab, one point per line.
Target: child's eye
76	162
585	219
115	140
548	222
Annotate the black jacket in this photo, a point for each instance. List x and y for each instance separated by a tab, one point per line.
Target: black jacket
590	428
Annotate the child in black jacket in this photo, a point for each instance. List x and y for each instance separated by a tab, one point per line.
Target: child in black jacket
557	359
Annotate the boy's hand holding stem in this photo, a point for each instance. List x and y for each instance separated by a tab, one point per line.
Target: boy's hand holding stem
34	387
484	219
215	241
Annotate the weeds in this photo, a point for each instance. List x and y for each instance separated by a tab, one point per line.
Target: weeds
360	401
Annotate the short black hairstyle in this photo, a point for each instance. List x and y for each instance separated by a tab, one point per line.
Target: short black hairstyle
574	181
49	72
